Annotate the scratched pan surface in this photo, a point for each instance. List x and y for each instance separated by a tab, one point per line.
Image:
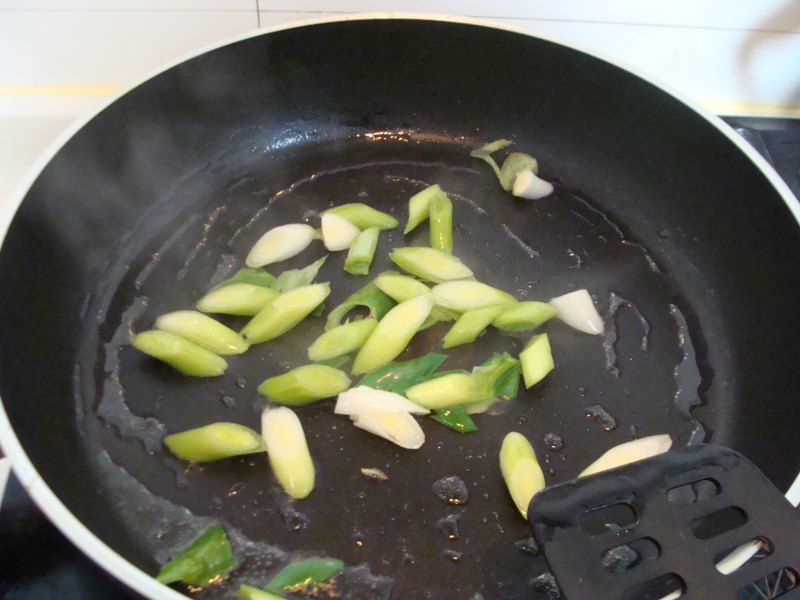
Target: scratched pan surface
684	242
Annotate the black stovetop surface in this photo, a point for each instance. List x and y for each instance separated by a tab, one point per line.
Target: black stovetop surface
38	562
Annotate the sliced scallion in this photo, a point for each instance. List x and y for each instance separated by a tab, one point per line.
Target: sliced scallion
392	334
399	376
178	352
285	312
288	452
429	264
469	325
419	206
207	558
243	299
203	330
456	418
369	297
280	243
441	223
306	574
306	384
363	216
536	360
341	340
294	278
521	470
524	315
214	442
468	295
362	251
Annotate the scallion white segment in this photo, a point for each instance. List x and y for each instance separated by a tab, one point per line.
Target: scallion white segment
337	232
288	451
280	243
362	398
629	452
577	310
521	470
530	186
397	427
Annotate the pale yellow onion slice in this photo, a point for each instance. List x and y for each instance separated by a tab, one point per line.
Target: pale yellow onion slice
362	398
337	232
530	186
288	451
577	310
397	427
280	243
629	452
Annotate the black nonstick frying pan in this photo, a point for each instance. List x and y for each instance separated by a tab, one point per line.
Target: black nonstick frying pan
686	238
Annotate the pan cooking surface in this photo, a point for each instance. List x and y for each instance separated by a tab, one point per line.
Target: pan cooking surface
680	237
400	529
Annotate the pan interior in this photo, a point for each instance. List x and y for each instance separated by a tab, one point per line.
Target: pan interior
400	528
164	192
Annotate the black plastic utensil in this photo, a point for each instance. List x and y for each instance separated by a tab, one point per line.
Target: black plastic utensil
660	528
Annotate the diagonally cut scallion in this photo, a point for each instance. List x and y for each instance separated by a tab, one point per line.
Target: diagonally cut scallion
441	223
392	335
419	206
178	352
202	329
288	452
363	216
429	264
214	442
285	312
362	251
521	470
306	384
341	340
369	297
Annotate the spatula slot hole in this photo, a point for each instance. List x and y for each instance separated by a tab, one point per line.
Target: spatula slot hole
696	491
774	585
613	517
665	586
719	522
748	553
627	556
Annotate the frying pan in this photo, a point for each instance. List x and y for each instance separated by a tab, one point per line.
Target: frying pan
683	234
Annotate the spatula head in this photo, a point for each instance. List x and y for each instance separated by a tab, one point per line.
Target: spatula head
659	528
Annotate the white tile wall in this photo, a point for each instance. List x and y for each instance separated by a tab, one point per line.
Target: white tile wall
60	58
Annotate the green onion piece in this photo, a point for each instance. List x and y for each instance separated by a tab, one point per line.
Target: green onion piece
341	340
362	251
243	299
368	296
447	390
317	312
507	385
467	295
399	376
303	575
214	442
284	312
485	153
524	315
203	330
336	363
392	334
364	216
457	418
419	206
205	559
536	359
514	164
294	278
178	352
248	592
304	385
429	264
441	223
251	276
400	287
246	293
487	374
287	448
521	471
469	326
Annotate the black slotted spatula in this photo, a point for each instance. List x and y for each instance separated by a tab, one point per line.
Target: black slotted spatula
666	527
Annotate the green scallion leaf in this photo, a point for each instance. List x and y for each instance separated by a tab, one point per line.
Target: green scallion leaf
303	575
401	375
455	417
206	558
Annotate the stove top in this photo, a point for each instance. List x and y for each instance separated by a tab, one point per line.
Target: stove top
39	562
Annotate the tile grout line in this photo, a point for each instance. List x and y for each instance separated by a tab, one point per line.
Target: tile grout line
258	14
